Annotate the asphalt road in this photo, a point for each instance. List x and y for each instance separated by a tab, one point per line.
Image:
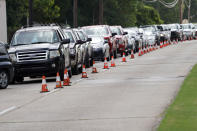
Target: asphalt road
129	97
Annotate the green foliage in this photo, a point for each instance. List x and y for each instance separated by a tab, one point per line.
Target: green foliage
116	12
147	15
47	10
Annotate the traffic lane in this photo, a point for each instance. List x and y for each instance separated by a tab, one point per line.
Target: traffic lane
21	94
114	97
115	101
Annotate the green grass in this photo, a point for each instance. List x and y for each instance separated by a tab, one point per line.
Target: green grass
182	113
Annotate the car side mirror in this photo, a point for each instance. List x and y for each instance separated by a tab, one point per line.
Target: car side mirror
125	33
113	34
106	41
65	41
89	39
80	42
7	46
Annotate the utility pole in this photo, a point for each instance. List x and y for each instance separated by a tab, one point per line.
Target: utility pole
75	11
30	12
100	12
189	8
181	10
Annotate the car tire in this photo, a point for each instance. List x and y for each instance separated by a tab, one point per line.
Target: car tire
87	61
4	79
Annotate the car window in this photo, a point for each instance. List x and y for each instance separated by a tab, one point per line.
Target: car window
82	37
69	34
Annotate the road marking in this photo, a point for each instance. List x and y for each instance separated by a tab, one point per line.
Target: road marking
7	110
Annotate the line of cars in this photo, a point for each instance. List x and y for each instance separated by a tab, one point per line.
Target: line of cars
45	50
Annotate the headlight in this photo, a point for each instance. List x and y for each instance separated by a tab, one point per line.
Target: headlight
161	34
54	54
13	57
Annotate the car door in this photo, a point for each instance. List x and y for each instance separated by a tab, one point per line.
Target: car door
65	48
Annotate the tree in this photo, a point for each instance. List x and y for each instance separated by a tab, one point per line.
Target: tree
147	15
47	10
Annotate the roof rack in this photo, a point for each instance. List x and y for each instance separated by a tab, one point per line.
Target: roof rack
38	24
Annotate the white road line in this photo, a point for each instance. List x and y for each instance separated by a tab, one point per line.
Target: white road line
7	110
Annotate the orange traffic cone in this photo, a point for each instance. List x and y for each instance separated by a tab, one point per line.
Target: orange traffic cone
84	73
147	49
123	57
44	85
132	55
160	44
66	81
144	50
112	62
94	70
139	52
58	81
106	64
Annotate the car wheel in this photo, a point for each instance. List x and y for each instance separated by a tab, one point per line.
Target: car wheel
76	69
87	61
70	73
61	71
4	79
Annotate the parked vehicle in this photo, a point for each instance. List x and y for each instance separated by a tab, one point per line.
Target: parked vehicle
105	32
176	32
121	40
187	31
164	32
150	36
100	48
87	49
6	67
138	37
76	51
37	51
155	31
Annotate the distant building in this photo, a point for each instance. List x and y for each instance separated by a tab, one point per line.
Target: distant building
3	21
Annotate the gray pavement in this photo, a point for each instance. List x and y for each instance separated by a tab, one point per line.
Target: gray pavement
129	97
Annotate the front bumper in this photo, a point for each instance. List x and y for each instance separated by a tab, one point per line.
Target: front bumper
98	53
37	68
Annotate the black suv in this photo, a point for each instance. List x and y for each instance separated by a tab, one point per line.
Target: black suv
6	68
37	51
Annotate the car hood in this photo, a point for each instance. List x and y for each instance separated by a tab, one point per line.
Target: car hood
43	46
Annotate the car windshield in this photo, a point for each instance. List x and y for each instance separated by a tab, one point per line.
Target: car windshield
149	29
96	39
160	28
186	26
69	34
131	32
173	27
34	37
116	30
102	31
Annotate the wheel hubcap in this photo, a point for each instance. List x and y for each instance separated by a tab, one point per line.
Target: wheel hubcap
3	79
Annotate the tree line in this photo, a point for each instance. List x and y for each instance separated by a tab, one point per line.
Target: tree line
116	12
